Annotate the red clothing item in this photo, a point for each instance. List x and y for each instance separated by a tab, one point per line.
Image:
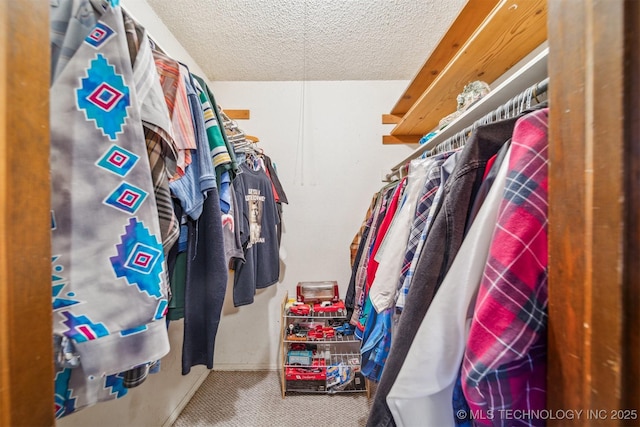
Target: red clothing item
504	365
372	266
487	168
273	187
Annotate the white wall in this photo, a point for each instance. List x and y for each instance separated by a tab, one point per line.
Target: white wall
330	161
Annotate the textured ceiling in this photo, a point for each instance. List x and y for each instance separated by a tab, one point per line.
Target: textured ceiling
267	40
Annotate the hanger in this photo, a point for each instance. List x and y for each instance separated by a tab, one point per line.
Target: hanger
535	93
530	93
388	185
252	138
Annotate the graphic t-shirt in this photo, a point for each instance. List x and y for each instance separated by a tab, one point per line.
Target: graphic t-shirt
258	219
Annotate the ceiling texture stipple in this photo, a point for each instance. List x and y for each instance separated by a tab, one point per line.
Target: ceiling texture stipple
271	40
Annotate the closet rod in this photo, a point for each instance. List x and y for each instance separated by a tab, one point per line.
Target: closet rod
514	106
531	72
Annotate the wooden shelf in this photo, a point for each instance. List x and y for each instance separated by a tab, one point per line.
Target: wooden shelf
511	30
531	73
462	28
391	119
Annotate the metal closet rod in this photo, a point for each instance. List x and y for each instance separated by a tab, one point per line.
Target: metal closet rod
513	107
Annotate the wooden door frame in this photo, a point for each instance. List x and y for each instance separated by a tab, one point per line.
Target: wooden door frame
594	274
631	278
26	359
593	216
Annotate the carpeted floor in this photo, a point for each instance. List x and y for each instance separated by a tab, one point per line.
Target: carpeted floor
254	399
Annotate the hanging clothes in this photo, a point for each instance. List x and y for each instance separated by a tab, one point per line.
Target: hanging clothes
199	176
278	192
385	217
376	338
157	127
232	165
175	93
443	166
440	248
258	219
361	272
490	174
221	157
258	226
383	287
359	236
109	284
372	266
177	261
205	284
141	183
358	243
505	358
423	390
231	233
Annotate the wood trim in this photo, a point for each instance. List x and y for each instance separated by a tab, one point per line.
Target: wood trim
566	332
390	119
631	355
238	114
26	359
400	139
605	206
586	207
605	80
470	18
513	30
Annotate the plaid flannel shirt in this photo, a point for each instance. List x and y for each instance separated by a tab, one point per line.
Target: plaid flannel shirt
157	127
504	366
432	193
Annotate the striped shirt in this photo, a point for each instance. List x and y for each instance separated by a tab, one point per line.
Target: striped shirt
219	152
218	148
175	93
232	167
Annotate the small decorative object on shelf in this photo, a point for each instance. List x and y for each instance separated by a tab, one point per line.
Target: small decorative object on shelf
315	292
320	353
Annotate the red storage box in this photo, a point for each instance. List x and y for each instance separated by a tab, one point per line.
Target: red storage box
318	371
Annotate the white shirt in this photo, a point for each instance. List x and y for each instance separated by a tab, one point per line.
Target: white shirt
423	391
390	255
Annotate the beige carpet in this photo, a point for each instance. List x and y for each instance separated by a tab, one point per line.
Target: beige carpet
254	399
